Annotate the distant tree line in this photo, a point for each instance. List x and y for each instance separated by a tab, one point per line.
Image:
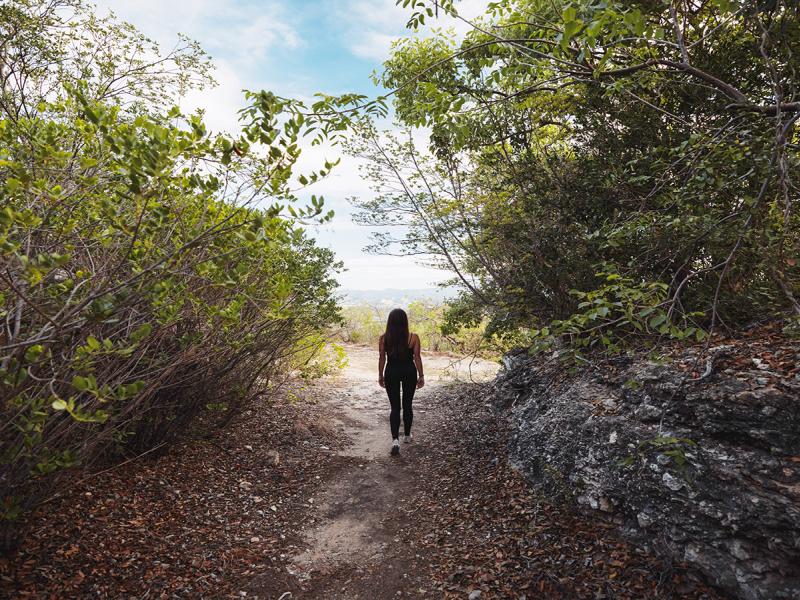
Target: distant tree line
363	324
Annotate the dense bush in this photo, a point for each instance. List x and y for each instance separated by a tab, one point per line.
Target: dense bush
600	171
318	355
149	274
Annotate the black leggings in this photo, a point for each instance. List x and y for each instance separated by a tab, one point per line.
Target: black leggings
394	380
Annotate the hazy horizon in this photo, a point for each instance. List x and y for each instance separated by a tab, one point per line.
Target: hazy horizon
393	296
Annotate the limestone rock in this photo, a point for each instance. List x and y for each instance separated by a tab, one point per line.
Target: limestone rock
704	471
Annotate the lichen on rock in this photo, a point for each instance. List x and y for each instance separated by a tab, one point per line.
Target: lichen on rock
703	468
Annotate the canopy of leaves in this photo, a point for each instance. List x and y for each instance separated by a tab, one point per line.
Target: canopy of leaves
599	171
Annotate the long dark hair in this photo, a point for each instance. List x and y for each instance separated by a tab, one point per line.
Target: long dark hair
395	340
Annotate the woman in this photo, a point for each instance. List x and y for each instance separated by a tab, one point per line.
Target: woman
404	363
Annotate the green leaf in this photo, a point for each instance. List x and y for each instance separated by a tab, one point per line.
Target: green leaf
141	332
32	353
571	28
80	383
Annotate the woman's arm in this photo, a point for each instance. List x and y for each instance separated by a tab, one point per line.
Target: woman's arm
418	361
381	361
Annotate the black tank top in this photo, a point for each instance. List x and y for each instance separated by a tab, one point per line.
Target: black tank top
403	358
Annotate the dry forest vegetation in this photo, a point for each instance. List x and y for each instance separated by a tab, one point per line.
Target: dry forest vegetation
363	325
602	178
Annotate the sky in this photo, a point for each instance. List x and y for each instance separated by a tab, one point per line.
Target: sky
296	48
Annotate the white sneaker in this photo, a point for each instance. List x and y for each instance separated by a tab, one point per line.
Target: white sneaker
407	438
395	447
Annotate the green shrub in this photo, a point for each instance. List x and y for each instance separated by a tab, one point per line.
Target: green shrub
316	356
151	279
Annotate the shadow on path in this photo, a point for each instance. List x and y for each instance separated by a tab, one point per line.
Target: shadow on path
352	551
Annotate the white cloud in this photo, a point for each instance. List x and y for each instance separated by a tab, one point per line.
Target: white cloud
381	272
251	40
243	37
372	45
242	33
347	238
220	103
240	37
370	26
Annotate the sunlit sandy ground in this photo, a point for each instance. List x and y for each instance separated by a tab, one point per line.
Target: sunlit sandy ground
350	531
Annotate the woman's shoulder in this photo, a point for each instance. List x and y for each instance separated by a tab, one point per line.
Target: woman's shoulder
413	337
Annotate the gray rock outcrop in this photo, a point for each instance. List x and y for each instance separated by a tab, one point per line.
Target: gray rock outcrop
705	470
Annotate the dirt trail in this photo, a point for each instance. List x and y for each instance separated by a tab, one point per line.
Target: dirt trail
354	533
299	498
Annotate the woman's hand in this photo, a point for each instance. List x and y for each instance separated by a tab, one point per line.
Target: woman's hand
381	382
421	381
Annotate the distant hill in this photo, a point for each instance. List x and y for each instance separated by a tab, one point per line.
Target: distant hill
393	297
